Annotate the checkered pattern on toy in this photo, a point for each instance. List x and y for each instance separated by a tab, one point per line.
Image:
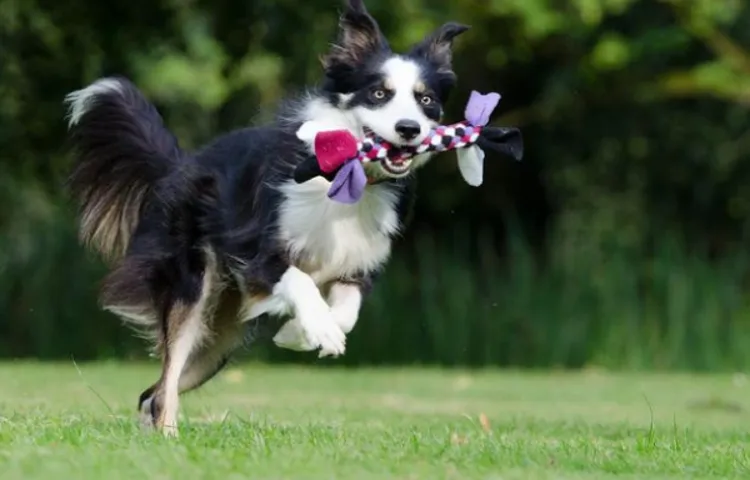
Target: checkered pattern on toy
441	139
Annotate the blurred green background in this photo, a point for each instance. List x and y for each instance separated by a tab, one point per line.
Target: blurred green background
619	241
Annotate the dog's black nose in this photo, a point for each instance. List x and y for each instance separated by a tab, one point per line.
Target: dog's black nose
407	129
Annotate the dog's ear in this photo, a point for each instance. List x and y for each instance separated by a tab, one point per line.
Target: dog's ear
359	36
438	46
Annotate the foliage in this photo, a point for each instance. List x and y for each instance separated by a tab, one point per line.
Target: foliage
619	239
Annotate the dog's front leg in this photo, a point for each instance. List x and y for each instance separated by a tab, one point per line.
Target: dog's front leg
344	299
313	318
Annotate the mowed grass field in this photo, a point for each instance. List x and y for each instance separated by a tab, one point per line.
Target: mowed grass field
62	421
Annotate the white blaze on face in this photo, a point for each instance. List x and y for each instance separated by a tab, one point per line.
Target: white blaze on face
403	79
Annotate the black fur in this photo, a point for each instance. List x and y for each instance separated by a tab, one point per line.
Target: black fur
123	151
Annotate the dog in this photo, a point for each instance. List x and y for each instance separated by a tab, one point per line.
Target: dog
201	243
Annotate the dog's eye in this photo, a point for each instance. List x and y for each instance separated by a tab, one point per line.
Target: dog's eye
379	94
426	100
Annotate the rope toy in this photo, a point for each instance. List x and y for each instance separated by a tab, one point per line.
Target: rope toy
339	156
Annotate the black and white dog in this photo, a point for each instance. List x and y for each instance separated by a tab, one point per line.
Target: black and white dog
201	243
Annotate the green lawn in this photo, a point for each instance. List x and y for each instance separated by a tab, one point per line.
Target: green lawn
262	422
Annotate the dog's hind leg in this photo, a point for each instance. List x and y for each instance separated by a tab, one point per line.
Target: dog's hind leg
226	336
204	363
186	329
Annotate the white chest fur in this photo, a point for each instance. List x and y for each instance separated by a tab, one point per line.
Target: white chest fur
331	239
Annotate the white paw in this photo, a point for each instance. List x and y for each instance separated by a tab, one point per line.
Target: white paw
168	423
170	431
321	331
292	337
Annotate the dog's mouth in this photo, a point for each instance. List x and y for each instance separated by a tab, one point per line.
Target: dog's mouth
396	167
387	168
391	167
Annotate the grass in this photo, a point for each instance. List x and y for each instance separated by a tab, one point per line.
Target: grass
316	423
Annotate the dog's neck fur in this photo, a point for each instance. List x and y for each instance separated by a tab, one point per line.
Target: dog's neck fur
330	240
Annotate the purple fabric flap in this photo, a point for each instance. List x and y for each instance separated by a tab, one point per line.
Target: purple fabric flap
348	185
480	107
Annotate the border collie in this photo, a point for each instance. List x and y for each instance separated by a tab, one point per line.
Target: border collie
200	243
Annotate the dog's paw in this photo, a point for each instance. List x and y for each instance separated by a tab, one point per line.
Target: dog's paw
292	337
321	331
170	431
325	352
331	339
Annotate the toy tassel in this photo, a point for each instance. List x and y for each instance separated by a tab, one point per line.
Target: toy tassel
477	113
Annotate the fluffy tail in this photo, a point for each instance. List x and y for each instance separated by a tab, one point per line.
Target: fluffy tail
123	150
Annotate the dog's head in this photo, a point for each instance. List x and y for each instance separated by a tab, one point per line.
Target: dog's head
399	97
